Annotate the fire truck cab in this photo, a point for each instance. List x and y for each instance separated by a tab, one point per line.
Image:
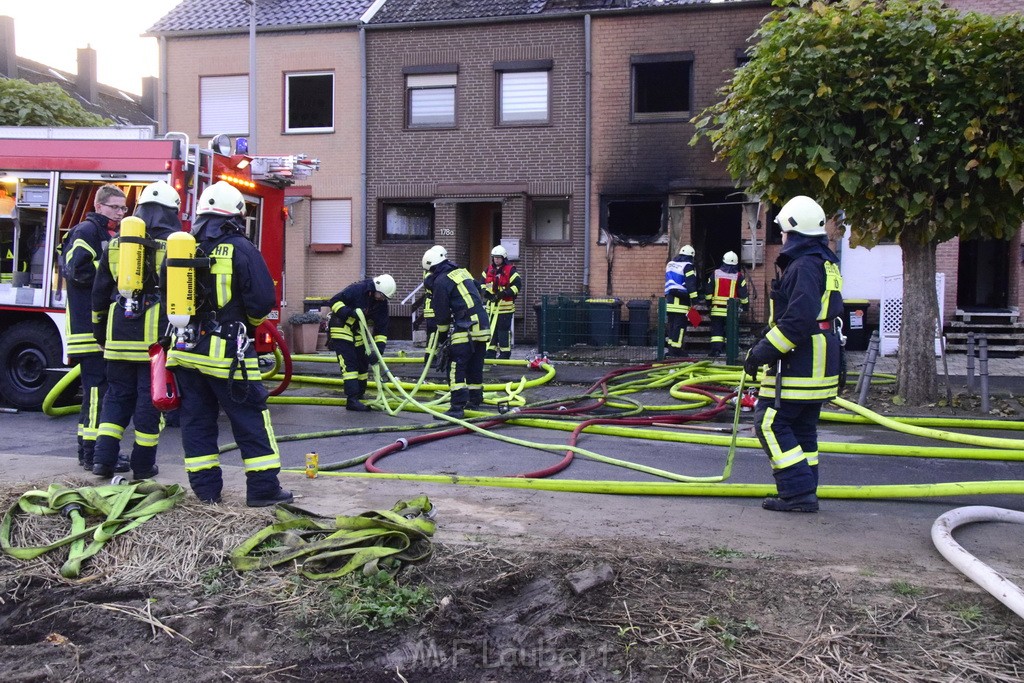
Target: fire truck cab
48	183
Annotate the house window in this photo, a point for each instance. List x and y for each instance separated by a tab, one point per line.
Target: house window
223	105
635	220
409	222
662	86
550	220
309	103
331	221
430	100
524	92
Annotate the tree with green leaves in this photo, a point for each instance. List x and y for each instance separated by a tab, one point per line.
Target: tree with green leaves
27	104
905	114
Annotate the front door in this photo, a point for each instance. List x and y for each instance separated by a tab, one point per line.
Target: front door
482	223
983	274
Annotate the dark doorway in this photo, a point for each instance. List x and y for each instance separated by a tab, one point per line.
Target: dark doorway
717	220
482	227
983	274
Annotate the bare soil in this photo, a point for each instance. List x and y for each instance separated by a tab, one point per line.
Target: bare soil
161	602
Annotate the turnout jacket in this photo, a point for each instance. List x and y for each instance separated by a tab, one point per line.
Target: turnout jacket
680	284
344	324
236	295
806	298
457	302
82	250
129	339
502	284
727	282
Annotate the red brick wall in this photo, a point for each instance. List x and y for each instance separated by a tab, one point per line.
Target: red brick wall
635	158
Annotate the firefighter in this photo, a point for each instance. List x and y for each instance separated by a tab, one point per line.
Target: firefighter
502	284
461	319
681	292
346	340
727	282
127	323
213	359
802	345
80	256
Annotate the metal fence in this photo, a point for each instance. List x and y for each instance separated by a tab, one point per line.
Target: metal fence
577	327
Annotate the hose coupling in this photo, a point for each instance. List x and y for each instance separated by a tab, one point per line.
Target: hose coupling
404	442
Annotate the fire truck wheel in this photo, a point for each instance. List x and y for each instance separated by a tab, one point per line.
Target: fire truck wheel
27	349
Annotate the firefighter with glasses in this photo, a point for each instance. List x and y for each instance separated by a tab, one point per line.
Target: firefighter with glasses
802	351
502	284
128	318
681	292
80	257
212	356
462	322
727	282
346	339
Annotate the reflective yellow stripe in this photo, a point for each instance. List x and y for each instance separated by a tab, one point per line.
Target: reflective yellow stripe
146	439
110	429
202	462
777	339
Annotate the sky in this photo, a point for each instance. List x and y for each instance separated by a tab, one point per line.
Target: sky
51	31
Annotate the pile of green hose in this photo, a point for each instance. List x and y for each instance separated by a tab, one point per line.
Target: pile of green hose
321	548
120	508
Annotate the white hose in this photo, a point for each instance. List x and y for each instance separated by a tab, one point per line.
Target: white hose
1004	590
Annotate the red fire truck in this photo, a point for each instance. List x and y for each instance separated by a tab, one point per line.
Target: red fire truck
48	182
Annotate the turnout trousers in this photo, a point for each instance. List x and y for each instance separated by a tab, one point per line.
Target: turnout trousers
789	435
127	400
250	425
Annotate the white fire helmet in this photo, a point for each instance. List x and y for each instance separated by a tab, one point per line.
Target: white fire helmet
500	251
436	254
802	214
160	193
385	284
730	258
221	198
686	250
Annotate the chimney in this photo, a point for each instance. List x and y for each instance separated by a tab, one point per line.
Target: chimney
150	87
86	82
8	57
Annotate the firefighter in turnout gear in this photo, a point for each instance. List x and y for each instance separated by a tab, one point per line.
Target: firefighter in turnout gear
346	339
680	295
80	257
502	284
127	321
727	282
461	318
213	359
802	345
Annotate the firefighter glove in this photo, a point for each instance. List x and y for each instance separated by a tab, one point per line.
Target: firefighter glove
759	355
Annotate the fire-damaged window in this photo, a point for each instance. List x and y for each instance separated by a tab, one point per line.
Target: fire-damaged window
633	220
662	85
309	103
407	221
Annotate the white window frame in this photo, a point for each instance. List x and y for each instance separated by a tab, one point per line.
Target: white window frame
430	100
330	222
223	105
287	102
524	97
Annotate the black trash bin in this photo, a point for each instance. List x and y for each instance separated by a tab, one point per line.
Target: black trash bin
639	321
604	317
855	312
313	305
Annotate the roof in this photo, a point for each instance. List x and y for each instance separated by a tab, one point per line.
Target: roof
113	103
214	16
410	11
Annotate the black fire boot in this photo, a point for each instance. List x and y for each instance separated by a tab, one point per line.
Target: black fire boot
808	502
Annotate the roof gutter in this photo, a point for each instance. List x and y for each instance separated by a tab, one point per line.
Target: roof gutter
244	30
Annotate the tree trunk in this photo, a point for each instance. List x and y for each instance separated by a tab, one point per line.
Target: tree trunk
918	383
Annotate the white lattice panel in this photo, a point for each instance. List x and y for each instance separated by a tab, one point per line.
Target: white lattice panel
892	313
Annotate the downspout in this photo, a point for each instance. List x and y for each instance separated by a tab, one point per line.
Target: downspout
162	115
586	152
364	235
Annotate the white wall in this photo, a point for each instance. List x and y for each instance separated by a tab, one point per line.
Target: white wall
863	269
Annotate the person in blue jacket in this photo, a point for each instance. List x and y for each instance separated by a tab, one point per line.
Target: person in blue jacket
346	340
681	292
80	258
214	361
126	336
802	351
